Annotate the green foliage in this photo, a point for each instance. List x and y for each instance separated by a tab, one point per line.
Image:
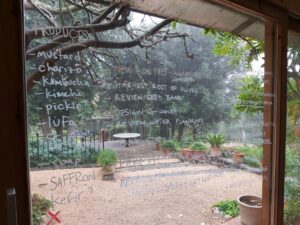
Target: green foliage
107	157
238	48
177	145
229	207
254	152
251	162
40	206
117	129
250	97
253	155
186	141
292	206
198	146
215	140
292	183
174	24
54	149
169	144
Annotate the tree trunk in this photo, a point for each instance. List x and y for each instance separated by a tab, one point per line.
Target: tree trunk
180	131
71	130
128	127
173	126
243	132
44	121
59	132
163	131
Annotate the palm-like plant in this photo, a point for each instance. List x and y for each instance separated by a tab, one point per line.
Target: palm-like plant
215	140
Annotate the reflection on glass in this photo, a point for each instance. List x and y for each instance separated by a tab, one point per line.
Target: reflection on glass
292	173
139	120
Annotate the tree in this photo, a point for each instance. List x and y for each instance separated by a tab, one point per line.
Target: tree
78	28
199	82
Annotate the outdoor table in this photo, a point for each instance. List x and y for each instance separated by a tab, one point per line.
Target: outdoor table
127	136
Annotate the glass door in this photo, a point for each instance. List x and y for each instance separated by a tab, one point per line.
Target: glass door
292	157
136	119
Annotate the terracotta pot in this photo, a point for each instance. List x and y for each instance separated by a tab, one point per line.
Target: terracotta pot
251	214
189	154
238	157
108	170
199	155
184	152
157	146
215	151
167	151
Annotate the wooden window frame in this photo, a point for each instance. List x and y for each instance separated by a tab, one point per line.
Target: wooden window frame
14	161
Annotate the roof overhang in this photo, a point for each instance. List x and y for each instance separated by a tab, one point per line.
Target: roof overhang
206	14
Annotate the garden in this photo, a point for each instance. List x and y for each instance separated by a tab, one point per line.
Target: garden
121	130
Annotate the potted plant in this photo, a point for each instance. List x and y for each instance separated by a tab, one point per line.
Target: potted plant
158	143
215	141
238	157
168	146
199	150
107	159
250	209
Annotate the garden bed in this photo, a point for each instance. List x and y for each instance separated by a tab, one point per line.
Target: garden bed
179	195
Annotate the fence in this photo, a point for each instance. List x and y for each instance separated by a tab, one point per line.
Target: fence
70	150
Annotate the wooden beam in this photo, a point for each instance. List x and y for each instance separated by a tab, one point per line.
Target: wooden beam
268	122
259	8
292	6
244	26
13	165
279	136
294	24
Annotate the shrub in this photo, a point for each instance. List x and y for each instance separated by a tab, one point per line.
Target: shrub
169	144
253	155
40	206
251	162
229	207
198	146
186	141
50	150
292	205
292	186
215	140
107	157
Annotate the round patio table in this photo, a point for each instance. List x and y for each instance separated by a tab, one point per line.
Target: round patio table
127	136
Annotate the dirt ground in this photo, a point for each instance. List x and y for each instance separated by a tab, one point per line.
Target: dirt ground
183	194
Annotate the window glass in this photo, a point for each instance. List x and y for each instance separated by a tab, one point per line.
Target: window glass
135	119
292	168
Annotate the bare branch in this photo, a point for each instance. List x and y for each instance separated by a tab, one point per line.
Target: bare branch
30	6
42	12
37	75
72	30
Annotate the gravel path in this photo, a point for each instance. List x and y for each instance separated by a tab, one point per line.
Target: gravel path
166	196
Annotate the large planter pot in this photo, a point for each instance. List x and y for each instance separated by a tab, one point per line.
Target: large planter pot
238	157
183	151
199	155
250	210
157	146
215	151
108	170
167	151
